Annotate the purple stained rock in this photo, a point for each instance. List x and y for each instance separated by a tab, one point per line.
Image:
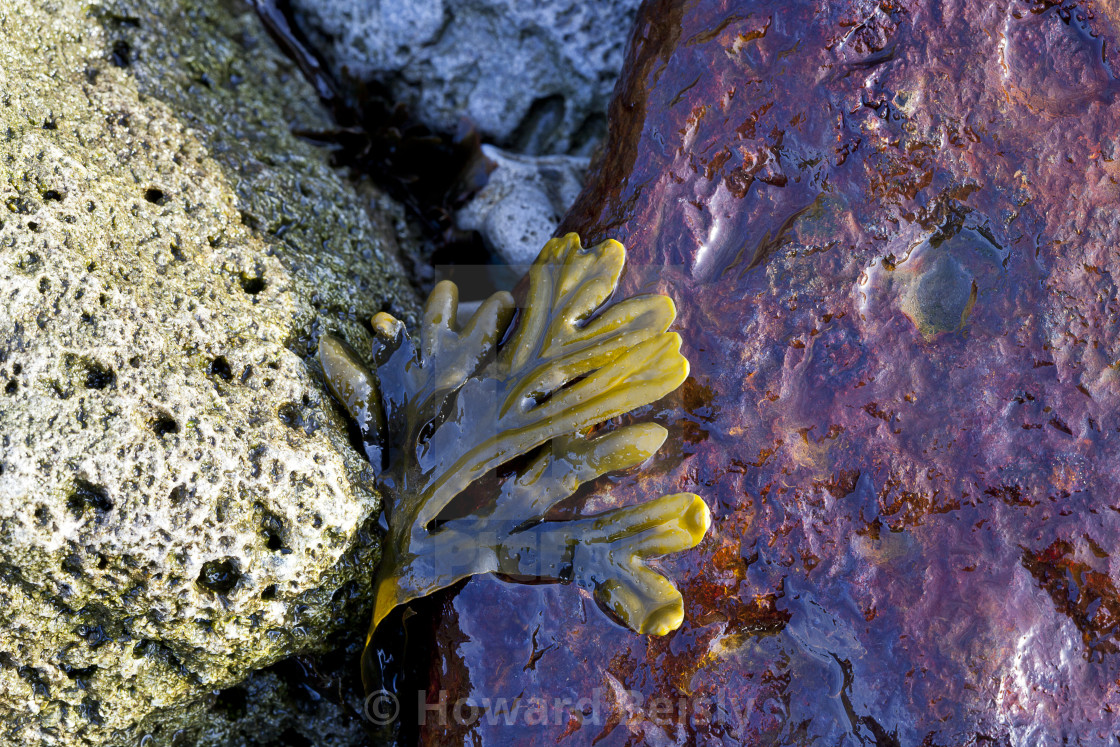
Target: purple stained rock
891	230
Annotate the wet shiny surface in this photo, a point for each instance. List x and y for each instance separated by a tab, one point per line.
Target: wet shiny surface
891	233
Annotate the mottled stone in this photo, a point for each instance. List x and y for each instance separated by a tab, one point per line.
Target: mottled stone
940	299
179	501
891	231
524	199
534	77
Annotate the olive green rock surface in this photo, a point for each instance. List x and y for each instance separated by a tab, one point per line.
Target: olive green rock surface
179	501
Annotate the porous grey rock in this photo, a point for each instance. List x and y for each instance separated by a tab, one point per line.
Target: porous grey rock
534	77
179	501
524	199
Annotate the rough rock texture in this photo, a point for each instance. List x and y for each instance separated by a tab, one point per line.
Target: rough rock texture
524	199
179	502
535	77
303	701
261	712
892	233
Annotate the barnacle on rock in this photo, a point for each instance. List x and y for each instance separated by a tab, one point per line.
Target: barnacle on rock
466	401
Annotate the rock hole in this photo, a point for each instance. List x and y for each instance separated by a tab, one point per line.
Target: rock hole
72	564
99	377
163	425
76	673
87	495
134	361
255	456
219	576
12	387
232	703
90	710
155	196
545	116
177	494
34	677
50	124
252	286
220	367
290	416
44	285
272	527
52	194
269	592
42	515
121	55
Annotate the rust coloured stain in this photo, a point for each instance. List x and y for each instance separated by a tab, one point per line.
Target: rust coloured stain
892	233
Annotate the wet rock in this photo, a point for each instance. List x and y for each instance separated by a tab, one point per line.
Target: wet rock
940	299
534	77
260	711
896	280
1050	67
934	282
302	700
524	199
179	501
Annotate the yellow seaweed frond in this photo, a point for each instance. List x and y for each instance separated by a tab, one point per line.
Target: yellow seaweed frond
462	403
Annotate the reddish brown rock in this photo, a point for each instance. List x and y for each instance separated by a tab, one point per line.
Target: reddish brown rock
891	229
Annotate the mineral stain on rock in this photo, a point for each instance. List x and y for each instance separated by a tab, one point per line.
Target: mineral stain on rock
935	282
941	298
1054	61
891	230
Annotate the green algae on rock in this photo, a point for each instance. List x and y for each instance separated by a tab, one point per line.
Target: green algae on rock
483	437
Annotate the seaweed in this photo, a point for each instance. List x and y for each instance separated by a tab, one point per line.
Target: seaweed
484	428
